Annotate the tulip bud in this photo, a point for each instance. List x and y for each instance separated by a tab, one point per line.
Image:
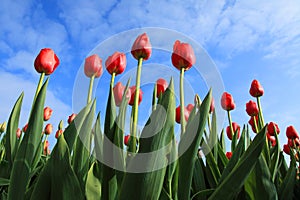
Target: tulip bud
212	106
93	66
187	111
271	130
46	62
251	108
2	127
19	133
227	102
286	149
24	129
236	128
46	148
183	55
71	118
126	139
291	132
132	91
161	85
116	63
141	47
58	133
118	93
48	129
228	155
47	113
251	122
256	89
272	139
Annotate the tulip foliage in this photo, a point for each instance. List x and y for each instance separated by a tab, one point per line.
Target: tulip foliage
90	161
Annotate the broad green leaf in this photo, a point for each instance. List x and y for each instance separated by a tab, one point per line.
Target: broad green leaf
25	156
222	159
188	147
213	137
198	183
4	182
93	185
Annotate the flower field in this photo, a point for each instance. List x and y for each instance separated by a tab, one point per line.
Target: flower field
91	161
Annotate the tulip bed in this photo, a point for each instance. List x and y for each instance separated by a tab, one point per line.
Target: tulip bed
90	163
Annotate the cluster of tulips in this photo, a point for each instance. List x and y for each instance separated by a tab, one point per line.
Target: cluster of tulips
90	163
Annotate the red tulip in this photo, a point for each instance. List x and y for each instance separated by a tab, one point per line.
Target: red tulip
286	149
293	143
47	113
19	133
118	93
58	133
271	130
93	66
291	132
236	128
256	89
116	63
24	129
48	129
212	106
227	102
187	111
126	139
183	55
251	108
46	62
71	118
46	148
132	92
272	139
161	86
251	122
229	155
141	47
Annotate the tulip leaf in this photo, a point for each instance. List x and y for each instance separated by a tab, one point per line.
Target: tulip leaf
25	156
275	159
199	178
222	141
213	137
93	184
4	182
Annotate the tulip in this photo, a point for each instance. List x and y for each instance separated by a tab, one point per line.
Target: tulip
119	92
183	56
251	108
46	62
47	113
58	133
187	110
271	129
71	118
132	92
141	47
236	129
46	148
286	149
48	129
116	63
252	123
93	66
24	129
272	139
291	132
229	155
19	133
227	102
256	89
161	86
126	139
212	106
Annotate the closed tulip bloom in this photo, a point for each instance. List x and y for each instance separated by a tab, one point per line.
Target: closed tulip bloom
18	133
251	108
118	90
93	66
48	129
132	92
271	129
126	139
229	155
47	113
272	139
286	149
46	148
251	122
141	47
187	111
24	129
291	132
71	118
256	90
227	102
46	62
161	86
116	63
236	128
212	106
58	133
183	56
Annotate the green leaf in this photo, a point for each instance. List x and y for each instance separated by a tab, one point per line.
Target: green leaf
188	149
93	185
222	141
213	137
233	182
202	194
4	182
25	156
275	159
199	179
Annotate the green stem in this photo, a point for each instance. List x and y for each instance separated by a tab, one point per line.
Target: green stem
182	118
255	124
89	97
112	80
230	123
154	97
135	105
260	114
42	76
208	123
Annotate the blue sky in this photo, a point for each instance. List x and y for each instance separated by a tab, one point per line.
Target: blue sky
246	40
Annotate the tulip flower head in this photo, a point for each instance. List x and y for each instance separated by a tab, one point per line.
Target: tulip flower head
48	129
24	129
291	132
118	90
93	66
71	118
46	148
227	102
251	122
183	55
141	47
58	133
161	86
19	133
251	108
286	149
47	113
272	130
212	106
236	129
256	90
126	139
187	110
46	61
229	155
271	139
116	63
132	92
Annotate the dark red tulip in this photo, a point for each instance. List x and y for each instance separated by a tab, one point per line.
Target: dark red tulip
183	55
93	66
71	118
251	108
251	122
126	139
187	111
291	132
212	106
132	92
271	129
24	129
118	90
116	63
256	90
161	86
229	155
227	102
46	62
48	129
47	113
286	149
236	128
141	47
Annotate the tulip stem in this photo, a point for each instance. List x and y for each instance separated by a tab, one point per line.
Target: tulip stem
230	123
255	124
42	76
261	118
90	89
182	118
112	80
135	105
